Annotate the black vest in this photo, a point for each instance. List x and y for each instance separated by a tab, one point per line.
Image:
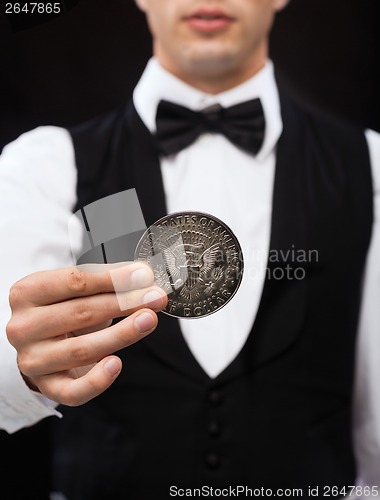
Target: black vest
279	416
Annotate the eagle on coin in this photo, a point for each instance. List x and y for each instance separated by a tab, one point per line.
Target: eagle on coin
192	268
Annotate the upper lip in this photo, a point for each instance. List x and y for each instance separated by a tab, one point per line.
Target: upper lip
208	12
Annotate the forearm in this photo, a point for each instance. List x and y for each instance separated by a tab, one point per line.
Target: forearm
37	193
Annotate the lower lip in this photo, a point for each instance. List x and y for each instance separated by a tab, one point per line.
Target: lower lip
209	25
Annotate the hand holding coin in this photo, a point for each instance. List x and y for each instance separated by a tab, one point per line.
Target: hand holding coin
196	260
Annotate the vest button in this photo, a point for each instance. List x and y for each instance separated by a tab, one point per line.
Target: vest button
213	461
215	397
214	429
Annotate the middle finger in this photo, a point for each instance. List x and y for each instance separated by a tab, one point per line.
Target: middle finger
77	314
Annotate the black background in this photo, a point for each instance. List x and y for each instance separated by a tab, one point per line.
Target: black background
88	60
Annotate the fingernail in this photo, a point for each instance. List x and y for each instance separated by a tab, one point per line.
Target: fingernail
153	299
144	322
141	278
112	367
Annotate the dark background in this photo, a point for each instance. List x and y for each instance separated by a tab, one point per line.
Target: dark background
88	60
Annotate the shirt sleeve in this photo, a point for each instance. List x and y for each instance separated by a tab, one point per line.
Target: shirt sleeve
37	195
367	381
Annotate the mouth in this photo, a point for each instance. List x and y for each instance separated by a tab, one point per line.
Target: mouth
209	20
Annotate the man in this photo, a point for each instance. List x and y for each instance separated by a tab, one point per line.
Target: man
258	394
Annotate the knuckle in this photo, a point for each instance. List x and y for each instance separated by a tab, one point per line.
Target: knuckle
79	353
76	280
82	312
25	363
16	330
16	294
11	331
68	397
95	385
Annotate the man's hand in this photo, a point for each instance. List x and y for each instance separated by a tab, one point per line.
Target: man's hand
60	326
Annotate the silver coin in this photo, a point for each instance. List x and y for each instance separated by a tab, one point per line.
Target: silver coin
196	259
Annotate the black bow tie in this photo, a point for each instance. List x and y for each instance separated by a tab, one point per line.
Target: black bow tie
178	127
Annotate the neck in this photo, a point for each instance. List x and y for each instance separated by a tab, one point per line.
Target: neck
213	80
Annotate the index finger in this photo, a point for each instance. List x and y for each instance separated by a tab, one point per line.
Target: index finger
50	287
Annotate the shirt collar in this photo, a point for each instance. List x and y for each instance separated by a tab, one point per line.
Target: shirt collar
156	83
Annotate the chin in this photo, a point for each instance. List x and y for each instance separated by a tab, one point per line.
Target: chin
212	68
209	55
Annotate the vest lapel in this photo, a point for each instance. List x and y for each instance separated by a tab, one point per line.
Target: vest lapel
146	166
281	311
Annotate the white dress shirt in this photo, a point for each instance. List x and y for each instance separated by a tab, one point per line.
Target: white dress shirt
214	176
38	173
